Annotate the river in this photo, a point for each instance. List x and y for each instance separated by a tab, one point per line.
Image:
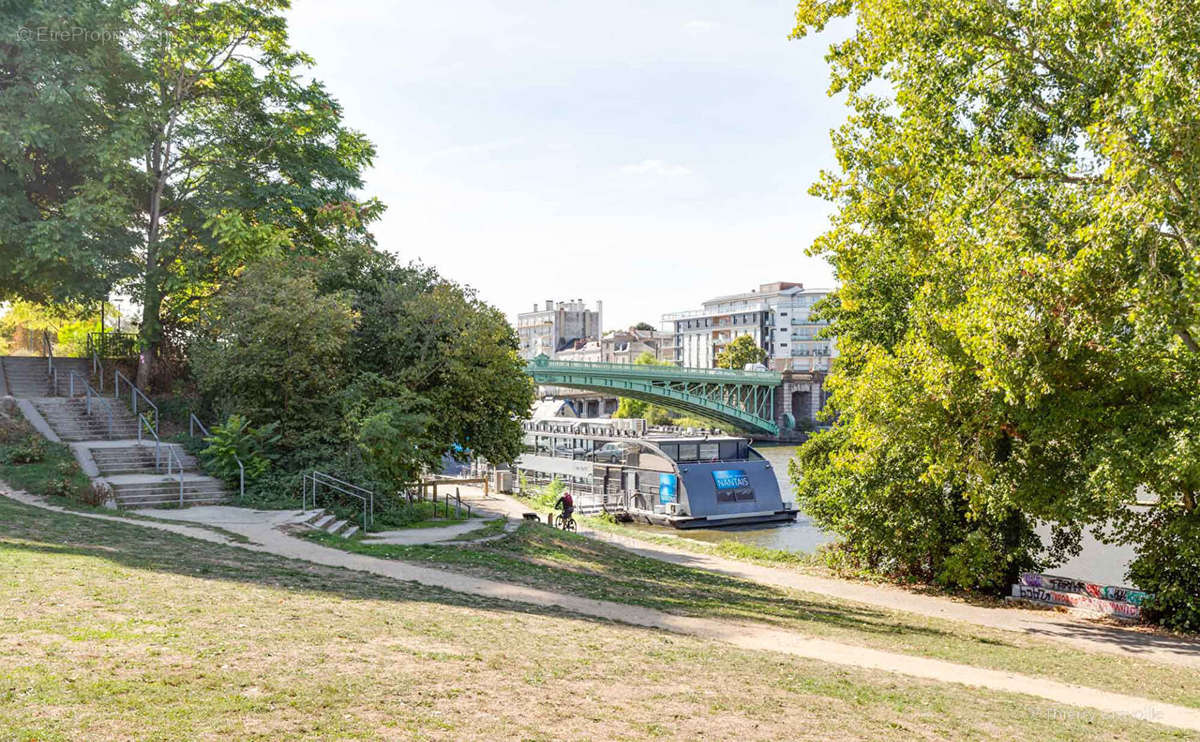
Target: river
1102	563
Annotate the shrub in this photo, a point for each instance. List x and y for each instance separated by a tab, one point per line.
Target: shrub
237	439
31	451
1168	567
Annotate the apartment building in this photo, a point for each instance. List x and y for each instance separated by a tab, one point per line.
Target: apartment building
777	315
557	326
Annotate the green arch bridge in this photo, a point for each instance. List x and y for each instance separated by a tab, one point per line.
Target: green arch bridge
742	398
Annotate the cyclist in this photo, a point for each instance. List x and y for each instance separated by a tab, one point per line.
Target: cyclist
567	503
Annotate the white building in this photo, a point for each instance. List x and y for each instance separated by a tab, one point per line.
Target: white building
776	315
557	326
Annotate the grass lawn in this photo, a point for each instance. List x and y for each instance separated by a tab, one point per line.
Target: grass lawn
554	560
31	463
114	631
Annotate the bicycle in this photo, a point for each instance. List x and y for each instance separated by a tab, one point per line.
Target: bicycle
567	525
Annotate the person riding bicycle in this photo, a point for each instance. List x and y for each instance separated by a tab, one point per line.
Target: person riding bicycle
568	505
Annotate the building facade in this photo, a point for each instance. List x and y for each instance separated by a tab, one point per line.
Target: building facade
557	326
776	315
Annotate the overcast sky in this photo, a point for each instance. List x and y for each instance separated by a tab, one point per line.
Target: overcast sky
648	154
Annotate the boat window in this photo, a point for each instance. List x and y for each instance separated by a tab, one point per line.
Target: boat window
709	451
671	450
732	451
688	451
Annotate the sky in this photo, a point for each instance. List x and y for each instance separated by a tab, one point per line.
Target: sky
647	154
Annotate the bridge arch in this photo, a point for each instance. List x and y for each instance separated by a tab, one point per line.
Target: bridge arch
745	399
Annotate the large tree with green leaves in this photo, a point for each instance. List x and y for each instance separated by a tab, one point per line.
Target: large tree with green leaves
742	351
243	157
1016	236
67	231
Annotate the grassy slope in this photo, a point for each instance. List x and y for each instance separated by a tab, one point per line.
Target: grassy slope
554	560
113	631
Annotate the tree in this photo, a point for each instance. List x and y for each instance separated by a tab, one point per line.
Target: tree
1015	236
273	349
741	352
243	159
646	326
630	408
439	342
66	227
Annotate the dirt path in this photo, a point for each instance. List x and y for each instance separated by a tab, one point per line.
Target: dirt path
1079	632
265	529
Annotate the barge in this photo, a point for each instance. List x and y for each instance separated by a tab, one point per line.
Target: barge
666	478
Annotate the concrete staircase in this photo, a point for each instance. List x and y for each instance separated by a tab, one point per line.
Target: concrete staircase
25	376
137	459
156	490
138	482
323	520
69	418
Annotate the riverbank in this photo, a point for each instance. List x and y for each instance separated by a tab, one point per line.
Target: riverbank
119	629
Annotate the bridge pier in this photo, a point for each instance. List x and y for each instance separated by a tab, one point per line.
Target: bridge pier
800	397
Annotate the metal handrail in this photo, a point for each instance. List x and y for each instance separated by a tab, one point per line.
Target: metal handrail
89	392
193	424
171	453
339	485
51	371
97	365
133	395
665	372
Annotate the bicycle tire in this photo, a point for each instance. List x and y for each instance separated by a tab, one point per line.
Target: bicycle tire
570	526
558	521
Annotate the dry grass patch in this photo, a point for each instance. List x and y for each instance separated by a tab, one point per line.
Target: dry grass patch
113	631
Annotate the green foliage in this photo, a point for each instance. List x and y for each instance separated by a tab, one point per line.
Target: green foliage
1168	566
741	352
30	451
65	174
393	434
31	463
644	326
236	439
631	408
373	370
68	324
273	350
1014	234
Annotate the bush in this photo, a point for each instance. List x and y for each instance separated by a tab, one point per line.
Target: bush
1168	567
31	451
894	523
237	439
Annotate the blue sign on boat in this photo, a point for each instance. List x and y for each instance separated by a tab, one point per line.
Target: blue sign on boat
732	485
666	488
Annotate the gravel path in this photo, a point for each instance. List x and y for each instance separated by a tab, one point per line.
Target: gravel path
266	531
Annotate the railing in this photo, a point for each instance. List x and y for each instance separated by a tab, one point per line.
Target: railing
171	453
113	344
48	349
316	478
89	393
97	365
194	424
544	363
134	395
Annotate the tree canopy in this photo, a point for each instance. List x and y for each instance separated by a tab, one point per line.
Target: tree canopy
742	351
1016	240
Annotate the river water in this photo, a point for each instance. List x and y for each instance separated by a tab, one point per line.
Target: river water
1098	562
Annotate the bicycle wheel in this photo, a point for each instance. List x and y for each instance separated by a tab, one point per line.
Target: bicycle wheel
558	521
570	526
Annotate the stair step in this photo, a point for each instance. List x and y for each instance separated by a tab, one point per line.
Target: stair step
335	528
349	531
324	521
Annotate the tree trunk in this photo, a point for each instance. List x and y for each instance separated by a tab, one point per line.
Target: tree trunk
157	165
